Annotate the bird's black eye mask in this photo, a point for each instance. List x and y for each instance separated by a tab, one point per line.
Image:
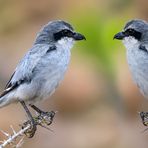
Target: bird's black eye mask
132	32
63	33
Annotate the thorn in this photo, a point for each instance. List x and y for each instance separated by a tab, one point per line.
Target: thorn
6	134
4	141
20	143
56	111
46	128
144	130
14	132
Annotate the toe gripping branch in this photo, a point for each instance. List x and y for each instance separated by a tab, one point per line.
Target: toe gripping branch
144	118
44	120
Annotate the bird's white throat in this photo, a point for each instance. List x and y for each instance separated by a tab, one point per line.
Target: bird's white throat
130	42
66	43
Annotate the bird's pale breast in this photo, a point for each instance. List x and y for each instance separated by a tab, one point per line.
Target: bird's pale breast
138	64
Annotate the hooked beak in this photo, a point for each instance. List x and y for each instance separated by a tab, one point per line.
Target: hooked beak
119	36
78	36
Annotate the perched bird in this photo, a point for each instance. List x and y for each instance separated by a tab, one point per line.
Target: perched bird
135	39
43	67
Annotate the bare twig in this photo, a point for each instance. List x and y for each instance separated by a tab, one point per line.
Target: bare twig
44	120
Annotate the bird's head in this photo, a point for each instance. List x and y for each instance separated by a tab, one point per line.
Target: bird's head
134	33
58	32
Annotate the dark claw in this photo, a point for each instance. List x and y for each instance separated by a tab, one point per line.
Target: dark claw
46	115
144	118
51	115
31	131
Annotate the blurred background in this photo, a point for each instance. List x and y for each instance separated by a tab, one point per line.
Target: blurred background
97	103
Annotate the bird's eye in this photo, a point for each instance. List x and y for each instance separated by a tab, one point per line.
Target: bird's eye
134	33
63	33
67	33
130	31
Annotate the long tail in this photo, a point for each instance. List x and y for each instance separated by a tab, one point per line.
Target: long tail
4	101
7	96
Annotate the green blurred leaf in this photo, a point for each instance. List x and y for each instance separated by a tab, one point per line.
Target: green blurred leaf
99	34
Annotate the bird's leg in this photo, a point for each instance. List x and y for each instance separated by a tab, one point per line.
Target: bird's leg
33	130
36	109
50	115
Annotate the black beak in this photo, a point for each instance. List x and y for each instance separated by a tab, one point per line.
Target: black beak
119	36
78	36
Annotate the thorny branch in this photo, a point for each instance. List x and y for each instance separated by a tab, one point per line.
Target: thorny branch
44	120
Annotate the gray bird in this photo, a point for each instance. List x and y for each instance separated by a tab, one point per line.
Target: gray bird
43	67
135	39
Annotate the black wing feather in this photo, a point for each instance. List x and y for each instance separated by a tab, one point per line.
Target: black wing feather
9	82
143	48
11	86
7	90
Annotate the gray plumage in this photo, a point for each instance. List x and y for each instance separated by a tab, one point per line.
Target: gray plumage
43	67
135	39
